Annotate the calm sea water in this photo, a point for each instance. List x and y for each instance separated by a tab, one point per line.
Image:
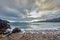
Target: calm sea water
36	25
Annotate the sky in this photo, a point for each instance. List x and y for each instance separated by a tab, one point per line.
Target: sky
26	10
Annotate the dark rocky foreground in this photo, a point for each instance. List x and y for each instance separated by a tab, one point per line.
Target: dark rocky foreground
4	25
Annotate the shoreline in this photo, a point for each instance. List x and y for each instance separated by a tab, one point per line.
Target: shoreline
29	35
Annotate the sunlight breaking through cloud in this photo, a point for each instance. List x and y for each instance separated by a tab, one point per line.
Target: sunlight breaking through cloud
35	9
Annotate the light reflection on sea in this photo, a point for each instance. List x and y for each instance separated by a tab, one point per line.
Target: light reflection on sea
37	25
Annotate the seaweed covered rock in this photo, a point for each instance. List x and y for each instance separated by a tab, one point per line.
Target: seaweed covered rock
4	25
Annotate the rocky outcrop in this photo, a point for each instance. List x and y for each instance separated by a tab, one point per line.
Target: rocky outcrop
15	30
4	25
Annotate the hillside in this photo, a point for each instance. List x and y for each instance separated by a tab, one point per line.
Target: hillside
52	20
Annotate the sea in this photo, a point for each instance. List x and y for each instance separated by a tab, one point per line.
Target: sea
36	25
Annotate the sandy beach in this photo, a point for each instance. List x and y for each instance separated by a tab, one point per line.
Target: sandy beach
33	36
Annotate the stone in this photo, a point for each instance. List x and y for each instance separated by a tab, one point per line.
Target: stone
15	30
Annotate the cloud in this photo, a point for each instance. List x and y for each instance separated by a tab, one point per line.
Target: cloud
48	5
16	9
9	12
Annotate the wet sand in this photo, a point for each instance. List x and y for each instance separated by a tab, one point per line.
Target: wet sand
47	35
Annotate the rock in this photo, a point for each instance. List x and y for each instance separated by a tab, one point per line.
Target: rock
15	30
4	21
4	25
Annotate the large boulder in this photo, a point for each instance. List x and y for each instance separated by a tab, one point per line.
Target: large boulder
4	25
15	30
